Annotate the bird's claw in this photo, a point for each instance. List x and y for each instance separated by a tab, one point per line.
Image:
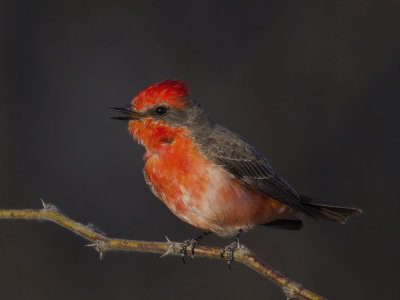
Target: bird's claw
185	245
229	250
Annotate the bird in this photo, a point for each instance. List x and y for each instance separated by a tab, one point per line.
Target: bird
209	176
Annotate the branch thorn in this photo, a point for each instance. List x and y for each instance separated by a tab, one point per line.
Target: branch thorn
169	247
44	204
48	206
99	246
289	293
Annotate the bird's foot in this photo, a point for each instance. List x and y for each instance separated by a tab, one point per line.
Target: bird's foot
185	245
229	251
190	244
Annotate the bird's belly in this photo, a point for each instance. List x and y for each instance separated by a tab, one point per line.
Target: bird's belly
206	196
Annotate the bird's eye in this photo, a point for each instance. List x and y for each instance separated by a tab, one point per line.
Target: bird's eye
161	110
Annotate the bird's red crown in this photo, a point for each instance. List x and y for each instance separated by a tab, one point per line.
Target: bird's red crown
171	92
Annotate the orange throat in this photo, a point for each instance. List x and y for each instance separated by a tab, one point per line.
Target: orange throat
174	166
154	135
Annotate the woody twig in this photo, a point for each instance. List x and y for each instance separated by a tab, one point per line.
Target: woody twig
102	244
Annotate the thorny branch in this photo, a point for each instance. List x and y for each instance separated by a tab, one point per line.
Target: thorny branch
102	244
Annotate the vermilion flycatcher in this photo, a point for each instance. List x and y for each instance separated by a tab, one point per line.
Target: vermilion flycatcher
209	176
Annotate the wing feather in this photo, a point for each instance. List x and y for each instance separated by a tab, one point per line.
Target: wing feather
246	163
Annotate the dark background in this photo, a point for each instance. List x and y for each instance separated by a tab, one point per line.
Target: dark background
315	85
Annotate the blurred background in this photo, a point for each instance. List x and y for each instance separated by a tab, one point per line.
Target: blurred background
315	85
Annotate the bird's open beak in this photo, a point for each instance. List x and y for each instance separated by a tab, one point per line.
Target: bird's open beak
131	114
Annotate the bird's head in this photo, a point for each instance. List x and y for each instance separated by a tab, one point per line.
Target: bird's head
160	113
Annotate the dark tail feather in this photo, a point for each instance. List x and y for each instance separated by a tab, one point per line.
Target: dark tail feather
290	224
329	212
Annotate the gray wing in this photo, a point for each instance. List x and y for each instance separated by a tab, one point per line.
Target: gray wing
246	163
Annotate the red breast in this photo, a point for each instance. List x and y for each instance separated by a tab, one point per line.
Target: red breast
194	188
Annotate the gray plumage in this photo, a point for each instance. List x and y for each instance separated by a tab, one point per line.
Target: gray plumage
243	160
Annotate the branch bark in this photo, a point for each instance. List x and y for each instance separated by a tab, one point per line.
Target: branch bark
102	244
